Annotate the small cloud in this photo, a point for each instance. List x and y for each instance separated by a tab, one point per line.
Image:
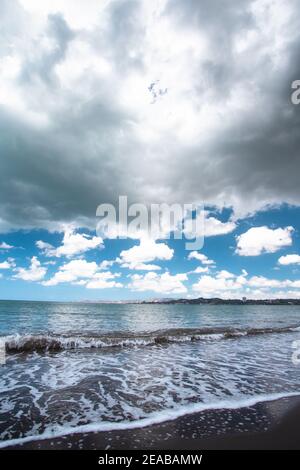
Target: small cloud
258	240
161	283
5	265
201	257
289	259
200	270
35	272
83	273
148	250
5	246
72	244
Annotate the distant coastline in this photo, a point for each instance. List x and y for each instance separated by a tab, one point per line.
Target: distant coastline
172	301
199	301
219	301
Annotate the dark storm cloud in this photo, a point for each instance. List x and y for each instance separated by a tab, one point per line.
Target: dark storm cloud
256	161
57	176
78	143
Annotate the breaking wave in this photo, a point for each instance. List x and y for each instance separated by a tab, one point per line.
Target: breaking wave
51	342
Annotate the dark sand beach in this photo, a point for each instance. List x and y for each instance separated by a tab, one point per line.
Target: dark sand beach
268	425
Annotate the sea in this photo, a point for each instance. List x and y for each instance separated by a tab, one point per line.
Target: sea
75	367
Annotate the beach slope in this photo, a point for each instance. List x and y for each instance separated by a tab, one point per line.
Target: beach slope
268	425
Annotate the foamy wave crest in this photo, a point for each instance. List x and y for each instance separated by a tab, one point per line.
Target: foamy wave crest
52	342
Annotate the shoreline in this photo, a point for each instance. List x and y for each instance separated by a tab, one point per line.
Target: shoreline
273	424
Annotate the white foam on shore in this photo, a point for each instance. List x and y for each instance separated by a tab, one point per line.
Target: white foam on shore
155	418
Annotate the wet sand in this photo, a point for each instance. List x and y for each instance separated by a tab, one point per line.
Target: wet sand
268	425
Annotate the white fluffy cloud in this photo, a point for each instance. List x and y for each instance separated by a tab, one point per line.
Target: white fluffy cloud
160	283
213	227
36	272
200	257
72	244
201	270
82	272
224	284
148	250
289	259
258	240
262	282
104	280
209	226
223	274
72	271
229	285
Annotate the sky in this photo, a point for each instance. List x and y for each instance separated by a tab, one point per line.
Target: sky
165	102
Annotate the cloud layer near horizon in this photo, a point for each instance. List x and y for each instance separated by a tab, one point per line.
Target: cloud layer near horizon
169	102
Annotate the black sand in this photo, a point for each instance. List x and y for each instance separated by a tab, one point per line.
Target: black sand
269	425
